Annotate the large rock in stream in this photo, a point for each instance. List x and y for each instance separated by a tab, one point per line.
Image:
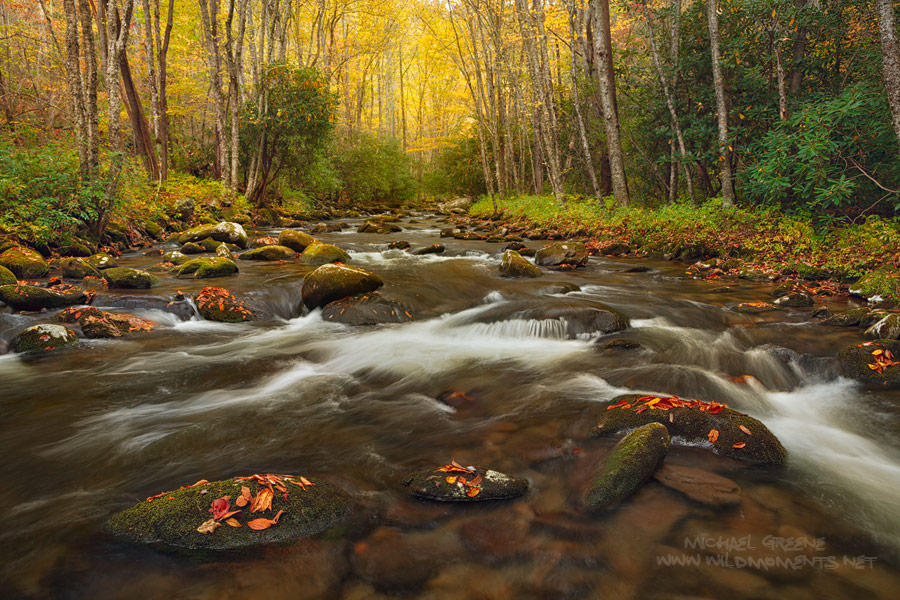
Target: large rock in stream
43	338
295	240
231	233
557	317
184	518
131	279
333	282
729	432
456	483
887	328
24	263
632	461
201	268
872	362
514	264
218	304
7	277
29	297
367	309
77	268
99	324
320	253
562	254
269	253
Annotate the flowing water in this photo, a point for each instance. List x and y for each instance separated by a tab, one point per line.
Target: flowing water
86	433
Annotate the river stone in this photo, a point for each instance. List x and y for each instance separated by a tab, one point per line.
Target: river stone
432	249
575	317
795	299
42	338
269	253
514	265
172	520
183	209
562	254
29	297
623	344
784	288
295	240
263	241
433	484
699	485
96	323
693	426
847	318
223	251
631	462
7	277
319	253
468	235
368	309
77	268
229	232
206	267
24	263
175	257
377	227
126	278
192	248
754	308
398	245
856	358
887	328
395	560
218	304
102	260
333	282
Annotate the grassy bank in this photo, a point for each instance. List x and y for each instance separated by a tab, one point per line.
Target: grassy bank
866	254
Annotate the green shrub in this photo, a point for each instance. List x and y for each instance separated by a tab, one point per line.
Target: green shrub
374	171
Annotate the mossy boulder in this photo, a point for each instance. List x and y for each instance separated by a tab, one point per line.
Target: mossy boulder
46	337
24	263
367	309
514	264
320	253
7	277
131	279
562	254
211	245
99	324
795	299
206	267
812	272
856	358
888	328
333	282
295	240
269	253
175	257
77	268
192	248
432	249
630	463
693	421
784	288
457	483
847	318
102	260
754	308
172	520
223	251
29	297
226	231
218	304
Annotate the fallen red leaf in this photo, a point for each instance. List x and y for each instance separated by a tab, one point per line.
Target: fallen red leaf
713	436
745	430
263	501
220	506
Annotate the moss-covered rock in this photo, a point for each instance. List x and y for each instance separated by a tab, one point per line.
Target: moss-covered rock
692	421
225	231
333	282
77	268
206	267
562	254
269	253
175	257
102	260
24	263
795	299
811	272
39	339
631	462
847	318
172	520
319	253
211	245
223	251
99	324
872	317
432	249
457	483
367	309
295	240
784	288
218	304
755	308
29	297
856	360
888	328
7	277
514	265
192	248
468	235
132	279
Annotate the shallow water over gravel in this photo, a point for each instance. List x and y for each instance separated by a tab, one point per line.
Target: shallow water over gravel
88	432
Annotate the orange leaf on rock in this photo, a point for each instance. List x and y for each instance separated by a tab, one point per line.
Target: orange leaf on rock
713	436
228	514
473	491
244	498
451	479
739	445
232	522
263	501
306	481
260	524
220	506
745	430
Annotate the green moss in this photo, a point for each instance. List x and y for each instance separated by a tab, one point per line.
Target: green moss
631	462
333	282
295	240
847	318
856	358
175	257
514	265
102	260
206	267
123	277
432	484
43	338
192	248
321	254
24	263
173	522
7	277
268	253
77	268
27	297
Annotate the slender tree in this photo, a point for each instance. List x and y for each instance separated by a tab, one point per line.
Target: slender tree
890	58
116	40
721	105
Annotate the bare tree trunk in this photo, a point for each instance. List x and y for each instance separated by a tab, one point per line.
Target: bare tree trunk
91	84
799	51
116	38
234	58
149	44
890	58
721	106
782	95
576	101
75	85
209	10
603	51
162	109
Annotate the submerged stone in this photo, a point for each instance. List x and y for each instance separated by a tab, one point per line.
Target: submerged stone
29	297
333	282
514	264
39	339
754	308
172	519
450	483
631	462
699	485
126	278
24	263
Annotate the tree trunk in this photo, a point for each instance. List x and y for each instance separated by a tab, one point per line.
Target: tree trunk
576	101
163	107
152	82
76	89
234	58
209	10
91	84
603	52
721	106
116	38
890	58
799	51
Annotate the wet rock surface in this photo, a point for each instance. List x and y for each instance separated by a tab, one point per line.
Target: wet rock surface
127	278
218	304
366	309
699	485
561	254
29	297
630	463
512	264
43	338
456	483
334	282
